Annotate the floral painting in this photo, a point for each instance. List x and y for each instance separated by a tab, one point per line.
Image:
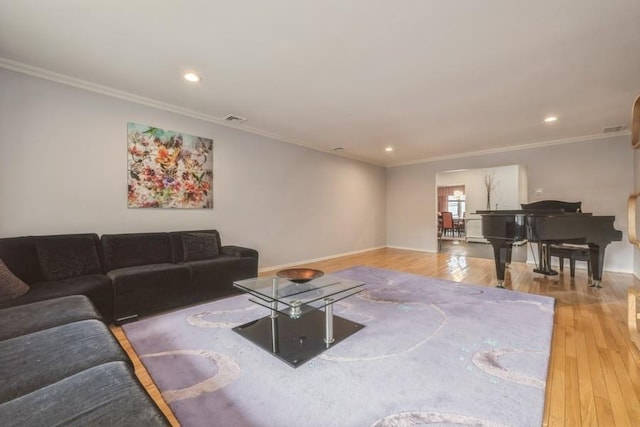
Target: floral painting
168	169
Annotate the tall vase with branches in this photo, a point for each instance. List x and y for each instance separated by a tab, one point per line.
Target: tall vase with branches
490	185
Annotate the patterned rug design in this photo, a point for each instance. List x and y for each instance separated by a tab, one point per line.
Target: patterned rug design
432	352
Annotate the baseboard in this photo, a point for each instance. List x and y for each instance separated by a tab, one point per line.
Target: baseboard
309	261
406	248
582	265
475	239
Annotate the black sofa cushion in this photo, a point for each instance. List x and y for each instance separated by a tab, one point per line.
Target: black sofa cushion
239	251
147	289
177	244
129	250
214	278
41	315
104	395
200	246
10	285
97	287
21	256
35	360
62	257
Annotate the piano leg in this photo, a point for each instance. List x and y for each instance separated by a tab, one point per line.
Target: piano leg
597	262
502	256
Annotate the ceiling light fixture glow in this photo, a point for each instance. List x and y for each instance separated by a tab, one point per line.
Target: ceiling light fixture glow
192	77
388	149
550	119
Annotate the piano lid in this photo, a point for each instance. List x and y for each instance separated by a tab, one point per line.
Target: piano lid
531	212
553	205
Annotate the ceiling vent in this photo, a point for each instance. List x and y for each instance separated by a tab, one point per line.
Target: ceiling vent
614	128
236	120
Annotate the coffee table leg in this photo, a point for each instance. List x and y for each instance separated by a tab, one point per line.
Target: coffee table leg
328	311
274	295
274	335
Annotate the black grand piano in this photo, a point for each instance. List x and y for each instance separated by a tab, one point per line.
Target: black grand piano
548	222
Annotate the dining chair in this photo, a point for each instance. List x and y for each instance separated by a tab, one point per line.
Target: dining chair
447	223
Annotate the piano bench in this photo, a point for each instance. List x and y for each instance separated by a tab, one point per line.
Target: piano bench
633	294
573	254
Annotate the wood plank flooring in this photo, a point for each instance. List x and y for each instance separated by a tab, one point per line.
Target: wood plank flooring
594	373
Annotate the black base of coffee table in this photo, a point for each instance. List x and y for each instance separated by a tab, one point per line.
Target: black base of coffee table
296	341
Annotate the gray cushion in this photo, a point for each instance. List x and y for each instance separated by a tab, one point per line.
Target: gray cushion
33	361
104	395
97	287
62	257
199	246
38	316
10	286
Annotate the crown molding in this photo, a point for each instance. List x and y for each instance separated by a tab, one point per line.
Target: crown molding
64	79
44	74
514	148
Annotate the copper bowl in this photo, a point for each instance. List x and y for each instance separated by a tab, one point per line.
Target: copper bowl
299	275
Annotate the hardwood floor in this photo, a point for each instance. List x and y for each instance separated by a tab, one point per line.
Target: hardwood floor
594	372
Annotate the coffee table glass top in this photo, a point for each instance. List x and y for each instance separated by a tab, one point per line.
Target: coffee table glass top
296	299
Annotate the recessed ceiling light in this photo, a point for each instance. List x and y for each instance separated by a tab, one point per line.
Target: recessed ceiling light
388	149
192	77
550	119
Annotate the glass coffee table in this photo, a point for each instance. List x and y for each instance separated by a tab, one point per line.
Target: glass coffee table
297	330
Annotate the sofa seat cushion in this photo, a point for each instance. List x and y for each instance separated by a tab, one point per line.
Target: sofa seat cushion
67	256
33	361
148	289
96	286
10	285
214	278
104	395
37	316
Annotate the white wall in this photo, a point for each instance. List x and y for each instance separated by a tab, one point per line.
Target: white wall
506	190
597	172
63	169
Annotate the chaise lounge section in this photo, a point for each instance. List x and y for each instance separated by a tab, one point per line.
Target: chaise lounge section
60	365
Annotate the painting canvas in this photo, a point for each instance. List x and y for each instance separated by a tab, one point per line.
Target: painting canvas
168	169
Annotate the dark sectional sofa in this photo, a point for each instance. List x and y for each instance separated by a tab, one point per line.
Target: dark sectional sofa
60	365
59	362
128	275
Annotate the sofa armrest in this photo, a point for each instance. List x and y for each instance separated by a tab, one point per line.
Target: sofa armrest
239	251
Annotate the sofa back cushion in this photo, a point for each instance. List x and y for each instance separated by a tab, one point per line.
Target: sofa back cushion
10	286
200	246
129	250
197	245
65	256
21	257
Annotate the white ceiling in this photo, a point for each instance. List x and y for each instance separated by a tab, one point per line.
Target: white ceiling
433	79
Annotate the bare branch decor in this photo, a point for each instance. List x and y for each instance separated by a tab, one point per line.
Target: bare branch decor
490	185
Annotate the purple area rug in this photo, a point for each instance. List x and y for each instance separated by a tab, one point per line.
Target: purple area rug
432	352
